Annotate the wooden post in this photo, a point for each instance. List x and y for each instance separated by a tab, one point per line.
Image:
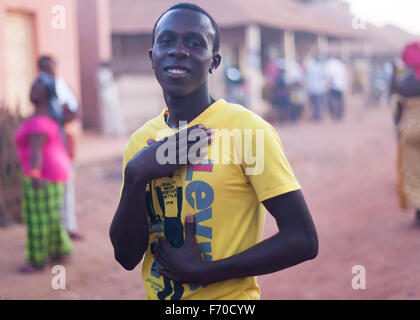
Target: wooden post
289	45
322	45
252	68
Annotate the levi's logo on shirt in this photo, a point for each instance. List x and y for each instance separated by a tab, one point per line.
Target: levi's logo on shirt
200	167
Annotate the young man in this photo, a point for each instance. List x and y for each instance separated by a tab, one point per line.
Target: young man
64	110
220	206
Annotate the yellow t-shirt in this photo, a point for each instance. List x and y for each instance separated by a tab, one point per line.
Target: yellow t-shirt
224	198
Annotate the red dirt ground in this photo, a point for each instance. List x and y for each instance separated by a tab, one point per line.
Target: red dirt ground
348	175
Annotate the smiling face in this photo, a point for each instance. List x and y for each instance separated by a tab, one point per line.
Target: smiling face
182	54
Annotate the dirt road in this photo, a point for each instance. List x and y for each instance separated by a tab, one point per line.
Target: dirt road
347	171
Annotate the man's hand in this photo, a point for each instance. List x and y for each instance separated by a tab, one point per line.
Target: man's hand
145	166
295	243
182	264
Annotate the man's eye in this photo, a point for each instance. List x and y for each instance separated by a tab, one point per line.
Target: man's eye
195	44
165	41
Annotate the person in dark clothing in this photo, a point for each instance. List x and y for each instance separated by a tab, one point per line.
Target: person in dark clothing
407	121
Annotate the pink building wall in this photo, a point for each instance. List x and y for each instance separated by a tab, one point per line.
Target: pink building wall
79	48
95	47
62	44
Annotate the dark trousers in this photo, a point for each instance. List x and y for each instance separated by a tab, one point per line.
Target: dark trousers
316	102
336	104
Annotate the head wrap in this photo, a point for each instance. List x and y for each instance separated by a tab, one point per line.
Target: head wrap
411	57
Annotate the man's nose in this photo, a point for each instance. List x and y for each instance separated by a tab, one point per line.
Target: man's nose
179	51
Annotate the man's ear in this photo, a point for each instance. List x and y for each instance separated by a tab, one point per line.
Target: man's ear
217	59
151	57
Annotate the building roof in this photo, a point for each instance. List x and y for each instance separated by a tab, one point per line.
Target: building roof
387	40
391	38
139	16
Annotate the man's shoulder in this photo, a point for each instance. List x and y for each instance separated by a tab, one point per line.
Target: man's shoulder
238	116
144	132
61	83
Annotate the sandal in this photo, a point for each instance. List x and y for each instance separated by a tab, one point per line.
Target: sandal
75	236
29	268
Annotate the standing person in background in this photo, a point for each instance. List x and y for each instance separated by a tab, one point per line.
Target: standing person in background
407	119
286	94
280	93
270	71
46	167
295	82
65	111
315	86
112	119
336	74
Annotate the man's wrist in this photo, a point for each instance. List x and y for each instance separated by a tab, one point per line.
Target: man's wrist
208	272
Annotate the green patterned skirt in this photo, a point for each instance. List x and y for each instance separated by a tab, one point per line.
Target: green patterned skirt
46	236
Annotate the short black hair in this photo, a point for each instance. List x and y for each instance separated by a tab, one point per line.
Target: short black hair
193	7
42	60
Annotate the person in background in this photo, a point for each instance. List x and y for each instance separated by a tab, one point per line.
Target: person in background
379	80
236	86
65	110
336	75
270	72
112	119
315	86
46	167
295	82
280	93
407	120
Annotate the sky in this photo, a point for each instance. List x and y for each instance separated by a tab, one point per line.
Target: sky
402	13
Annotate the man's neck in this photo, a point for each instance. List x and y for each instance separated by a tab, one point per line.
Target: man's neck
187	108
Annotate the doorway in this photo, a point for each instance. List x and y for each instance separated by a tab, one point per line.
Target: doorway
20	61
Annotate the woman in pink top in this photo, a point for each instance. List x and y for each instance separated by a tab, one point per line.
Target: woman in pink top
46	167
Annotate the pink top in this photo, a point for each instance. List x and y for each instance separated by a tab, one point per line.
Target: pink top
56	163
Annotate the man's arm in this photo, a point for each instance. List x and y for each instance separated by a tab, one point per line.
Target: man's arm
295	242
129	229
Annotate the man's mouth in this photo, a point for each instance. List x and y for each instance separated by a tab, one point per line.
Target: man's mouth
177	70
